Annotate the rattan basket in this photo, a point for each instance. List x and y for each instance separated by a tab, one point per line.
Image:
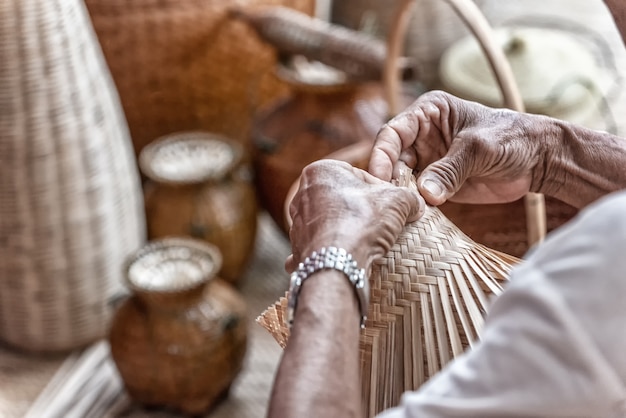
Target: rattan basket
70	199
183	65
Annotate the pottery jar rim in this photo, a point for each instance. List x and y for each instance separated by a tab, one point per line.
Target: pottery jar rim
172	265
191	157
312	76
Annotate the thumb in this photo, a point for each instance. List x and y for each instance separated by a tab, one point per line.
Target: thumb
443	178
416	204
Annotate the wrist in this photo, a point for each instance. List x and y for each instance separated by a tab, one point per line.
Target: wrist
352	244
329	259
580	164
325	298
548	139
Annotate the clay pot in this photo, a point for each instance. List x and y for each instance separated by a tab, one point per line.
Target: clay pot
180	339
199	187
316	120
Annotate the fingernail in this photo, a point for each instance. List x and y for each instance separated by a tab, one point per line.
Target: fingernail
433	188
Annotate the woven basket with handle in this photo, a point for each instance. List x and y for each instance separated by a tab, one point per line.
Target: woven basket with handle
430	293
70	200
183	65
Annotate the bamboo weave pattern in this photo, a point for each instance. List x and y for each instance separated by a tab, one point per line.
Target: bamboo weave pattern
429	296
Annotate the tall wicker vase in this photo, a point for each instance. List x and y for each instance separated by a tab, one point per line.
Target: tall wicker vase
70	202
184	65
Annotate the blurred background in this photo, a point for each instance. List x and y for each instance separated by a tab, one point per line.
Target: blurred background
148	148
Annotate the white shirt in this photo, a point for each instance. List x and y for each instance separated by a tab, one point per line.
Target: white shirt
554	344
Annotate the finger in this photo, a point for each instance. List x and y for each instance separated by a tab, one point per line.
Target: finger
293	209
402	165
417	205
442	179
399	133
367	177
383	157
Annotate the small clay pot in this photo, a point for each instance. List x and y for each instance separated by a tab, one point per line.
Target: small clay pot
179	340
198	187
319	118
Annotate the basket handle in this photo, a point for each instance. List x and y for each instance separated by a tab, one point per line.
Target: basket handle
469	12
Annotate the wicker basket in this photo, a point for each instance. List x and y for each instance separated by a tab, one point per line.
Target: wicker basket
70	199
184	65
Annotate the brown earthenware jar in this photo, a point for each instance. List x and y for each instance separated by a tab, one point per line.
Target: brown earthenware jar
199	187
320	117
179	340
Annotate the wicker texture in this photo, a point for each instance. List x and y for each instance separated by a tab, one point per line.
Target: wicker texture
429	295
503	226
186	64
70	202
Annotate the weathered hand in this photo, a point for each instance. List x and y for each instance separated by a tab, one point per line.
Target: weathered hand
466	152
343	206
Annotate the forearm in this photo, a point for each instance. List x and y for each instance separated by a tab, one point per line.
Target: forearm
582	164
319	372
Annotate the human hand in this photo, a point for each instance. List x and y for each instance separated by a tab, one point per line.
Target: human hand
466	152
343	206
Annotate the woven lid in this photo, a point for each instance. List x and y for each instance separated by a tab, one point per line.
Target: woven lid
172	265
552	68
189	157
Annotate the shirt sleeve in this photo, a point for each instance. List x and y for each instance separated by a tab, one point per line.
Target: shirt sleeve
554	343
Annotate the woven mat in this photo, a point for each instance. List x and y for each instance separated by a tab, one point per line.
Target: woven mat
22	378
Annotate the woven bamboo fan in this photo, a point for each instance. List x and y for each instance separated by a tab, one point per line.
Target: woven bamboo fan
183	65
429	295
70	199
